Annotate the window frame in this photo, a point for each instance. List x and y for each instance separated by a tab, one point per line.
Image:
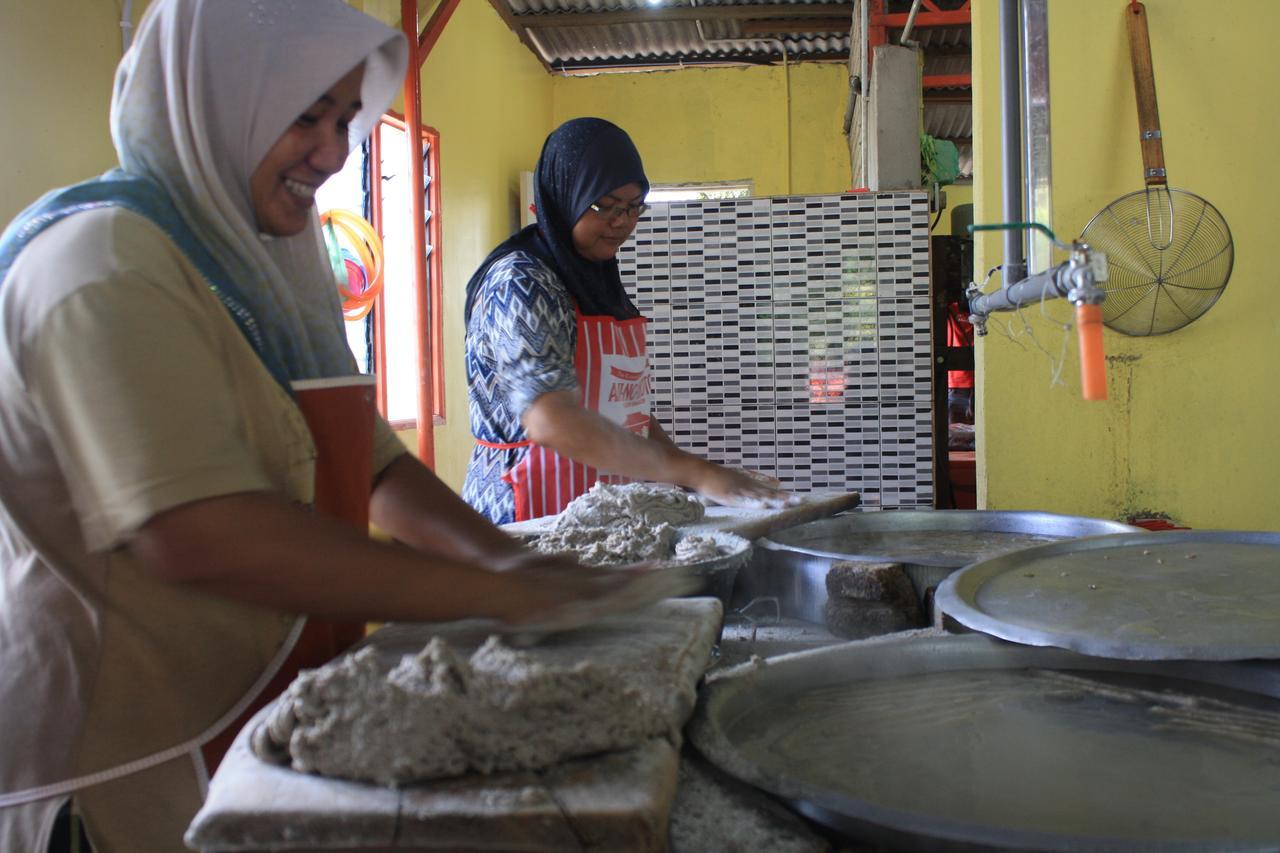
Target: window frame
433	286
690	191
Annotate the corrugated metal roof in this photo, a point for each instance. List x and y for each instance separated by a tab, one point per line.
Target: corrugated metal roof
578	35
672	42
584	36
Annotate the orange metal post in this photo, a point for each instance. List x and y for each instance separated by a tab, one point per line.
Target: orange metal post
430	35
413	138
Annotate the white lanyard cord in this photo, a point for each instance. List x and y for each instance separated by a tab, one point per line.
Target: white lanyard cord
56	789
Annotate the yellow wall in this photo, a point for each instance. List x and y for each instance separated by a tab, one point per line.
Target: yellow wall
957	194
57	63
725	124
1189	429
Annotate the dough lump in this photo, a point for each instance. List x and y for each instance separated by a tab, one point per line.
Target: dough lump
436	714
617	525
647	503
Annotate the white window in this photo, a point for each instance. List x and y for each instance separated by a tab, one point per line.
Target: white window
699	192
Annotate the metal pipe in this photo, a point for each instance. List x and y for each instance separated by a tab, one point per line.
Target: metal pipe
866	85
1044	285
906	41
854	90
1037	163
126	27
1015	266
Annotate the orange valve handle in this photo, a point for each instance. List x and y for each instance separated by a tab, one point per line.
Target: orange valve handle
1093	368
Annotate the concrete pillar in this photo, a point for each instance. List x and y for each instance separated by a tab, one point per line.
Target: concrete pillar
893	119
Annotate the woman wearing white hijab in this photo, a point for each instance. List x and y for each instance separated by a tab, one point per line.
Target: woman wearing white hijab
155	549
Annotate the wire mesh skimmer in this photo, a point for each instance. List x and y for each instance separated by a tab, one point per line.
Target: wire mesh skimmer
1164	274
1169	251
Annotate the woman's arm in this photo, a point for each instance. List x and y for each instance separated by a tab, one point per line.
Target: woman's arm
558	421
412	504
261	549
657	433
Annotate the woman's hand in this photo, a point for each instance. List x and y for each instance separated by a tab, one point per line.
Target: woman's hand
744	489
556	590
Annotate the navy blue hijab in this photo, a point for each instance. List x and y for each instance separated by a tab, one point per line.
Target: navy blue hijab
581	161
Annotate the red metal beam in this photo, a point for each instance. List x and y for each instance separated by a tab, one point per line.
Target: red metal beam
435	26
876	32
413	138
923	19
946	81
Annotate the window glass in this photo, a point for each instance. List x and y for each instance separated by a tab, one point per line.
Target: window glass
345	190
698	192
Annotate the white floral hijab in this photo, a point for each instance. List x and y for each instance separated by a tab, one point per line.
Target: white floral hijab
204	92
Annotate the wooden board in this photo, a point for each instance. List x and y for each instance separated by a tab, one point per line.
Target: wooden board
754	524
618	801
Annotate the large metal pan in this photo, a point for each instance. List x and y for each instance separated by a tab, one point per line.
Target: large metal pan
969	743
1174	595
792	564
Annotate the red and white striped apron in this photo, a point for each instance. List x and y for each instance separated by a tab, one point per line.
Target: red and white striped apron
613	373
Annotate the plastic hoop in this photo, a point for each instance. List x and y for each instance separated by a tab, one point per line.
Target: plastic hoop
367	245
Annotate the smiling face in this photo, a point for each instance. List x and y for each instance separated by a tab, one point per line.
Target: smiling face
283	187
598	237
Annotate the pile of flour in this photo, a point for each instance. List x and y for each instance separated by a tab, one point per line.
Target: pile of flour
632	523
436	714
715	812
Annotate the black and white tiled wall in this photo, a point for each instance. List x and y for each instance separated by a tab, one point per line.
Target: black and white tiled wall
790	335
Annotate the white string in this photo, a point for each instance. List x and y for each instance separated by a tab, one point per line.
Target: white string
1056	363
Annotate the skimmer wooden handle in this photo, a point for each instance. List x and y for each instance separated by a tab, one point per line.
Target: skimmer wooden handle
1144	85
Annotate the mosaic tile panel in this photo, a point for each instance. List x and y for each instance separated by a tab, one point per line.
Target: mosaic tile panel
791	335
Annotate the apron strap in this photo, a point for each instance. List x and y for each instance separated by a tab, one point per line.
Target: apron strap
497	445
67	786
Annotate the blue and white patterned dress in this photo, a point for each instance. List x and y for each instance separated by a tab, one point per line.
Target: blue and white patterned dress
520	344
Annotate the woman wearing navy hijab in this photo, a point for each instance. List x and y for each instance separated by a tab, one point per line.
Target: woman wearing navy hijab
555	349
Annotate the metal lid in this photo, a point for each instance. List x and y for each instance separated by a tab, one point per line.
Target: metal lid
946	538
1178	595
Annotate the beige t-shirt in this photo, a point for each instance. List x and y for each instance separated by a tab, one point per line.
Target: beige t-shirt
125	389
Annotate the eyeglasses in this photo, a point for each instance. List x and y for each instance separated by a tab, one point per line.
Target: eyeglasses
615	211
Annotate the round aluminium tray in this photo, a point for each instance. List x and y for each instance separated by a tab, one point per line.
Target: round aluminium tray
945	538
969	743
1176	595
791	565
